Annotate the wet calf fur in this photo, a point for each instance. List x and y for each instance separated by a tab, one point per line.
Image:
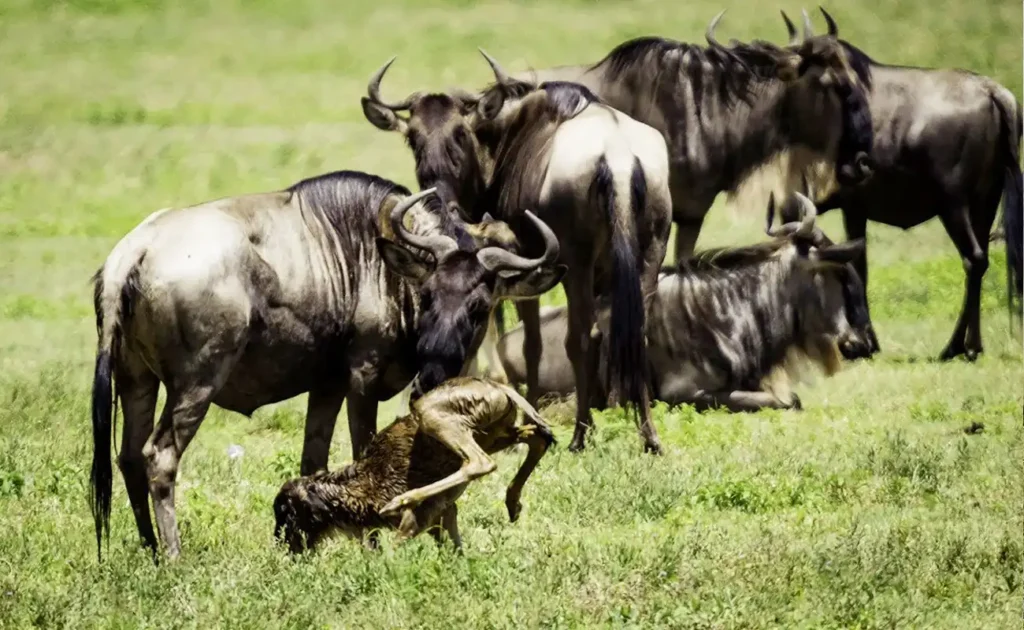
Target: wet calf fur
414	470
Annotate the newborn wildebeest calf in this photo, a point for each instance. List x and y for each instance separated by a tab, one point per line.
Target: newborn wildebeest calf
414	470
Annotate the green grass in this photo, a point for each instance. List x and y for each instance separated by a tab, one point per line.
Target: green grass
871	508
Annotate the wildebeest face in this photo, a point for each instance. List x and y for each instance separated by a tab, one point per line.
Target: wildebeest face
832	302
457	290
438	130
823	73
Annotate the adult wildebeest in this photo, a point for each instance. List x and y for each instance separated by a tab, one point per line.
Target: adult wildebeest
727	326
415	469
947	145
596	176
251	300
727	111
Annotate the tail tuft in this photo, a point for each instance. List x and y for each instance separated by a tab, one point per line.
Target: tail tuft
101	479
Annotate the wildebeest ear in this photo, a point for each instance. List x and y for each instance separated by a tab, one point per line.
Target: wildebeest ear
490	105
529	284
381	117
401	261
840	254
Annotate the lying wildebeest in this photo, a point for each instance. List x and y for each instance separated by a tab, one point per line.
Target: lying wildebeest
727	111
251	300
946	145
596	176
415	469
728	325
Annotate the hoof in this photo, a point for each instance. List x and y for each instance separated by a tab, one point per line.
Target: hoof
950	353
795	404
971	355
576	445
653	448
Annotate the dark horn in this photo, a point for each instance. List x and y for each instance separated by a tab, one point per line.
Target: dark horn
794	37
771	214
498	259
437	244
373	89
808	27
833	31
499	75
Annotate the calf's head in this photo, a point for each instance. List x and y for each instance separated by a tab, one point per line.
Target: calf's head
458	288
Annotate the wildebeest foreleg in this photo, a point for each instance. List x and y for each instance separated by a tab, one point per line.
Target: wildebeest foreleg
450	431
687	232
529	315
138	394
322	408
182	414
855	223
975	262
538	445
362	422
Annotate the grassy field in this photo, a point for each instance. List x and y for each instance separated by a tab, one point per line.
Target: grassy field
870	508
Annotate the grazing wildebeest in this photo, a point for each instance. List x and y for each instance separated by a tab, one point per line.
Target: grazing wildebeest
596	176
947	145
415	469
251	300
727	326
725	112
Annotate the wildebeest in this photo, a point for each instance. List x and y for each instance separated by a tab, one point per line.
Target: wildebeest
416	468
596	176
725	112
727	326
250	300
947	145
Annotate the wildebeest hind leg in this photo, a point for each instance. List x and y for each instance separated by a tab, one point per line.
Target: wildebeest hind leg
529	315
579	289
138	394
975	262
182	414
362	422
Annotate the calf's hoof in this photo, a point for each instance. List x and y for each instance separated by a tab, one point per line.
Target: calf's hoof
795	404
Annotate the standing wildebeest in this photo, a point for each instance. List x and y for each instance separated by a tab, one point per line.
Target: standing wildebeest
727	111
596	176
251	300
415	469
728	325
946	145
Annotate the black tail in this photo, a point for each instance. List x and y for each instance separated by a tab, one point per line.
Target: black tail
1013	207
102	477
627	353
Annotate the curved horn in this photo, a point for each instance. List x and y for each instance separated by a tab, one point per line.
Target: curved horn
794	37
833	31
804	227
499	75
437	244
464	95
809	212
498	259
709	34
808	27
373	89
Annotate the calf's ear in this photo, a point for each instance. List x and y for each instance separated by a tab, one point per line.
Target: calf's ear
401	261
529	284
840	254
381	117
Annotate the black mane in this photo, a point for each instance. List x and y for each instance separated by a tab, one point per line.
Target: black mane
336	194
756	64
860	62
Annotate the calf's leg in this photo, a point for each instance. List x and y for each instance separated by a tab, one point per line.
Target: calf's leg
538	445
450	431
